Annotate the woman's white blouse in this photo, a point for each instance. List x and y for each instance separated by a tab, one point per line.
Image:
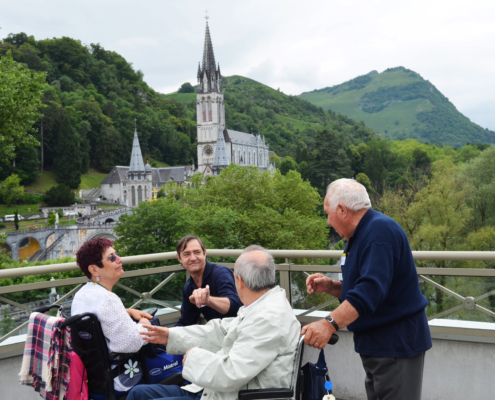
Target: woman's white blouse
121	332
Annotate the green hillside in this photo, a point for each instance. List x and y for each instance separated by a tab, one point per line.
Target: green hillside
400	104
287	122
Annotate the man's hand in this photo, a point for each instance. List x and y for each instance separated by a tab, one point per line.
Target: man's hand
138	315
319	283
185	356
317	334
200	297
155	334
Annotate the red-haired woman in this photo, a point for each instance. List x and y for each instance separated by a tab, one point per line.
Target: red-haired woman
103	267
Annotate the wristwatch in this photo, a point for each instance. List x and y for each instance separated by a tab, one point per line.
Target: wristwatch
330	319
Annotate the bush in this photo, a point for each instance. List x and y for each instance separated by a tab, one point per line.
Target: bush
2	225
60	195
33	198
186	88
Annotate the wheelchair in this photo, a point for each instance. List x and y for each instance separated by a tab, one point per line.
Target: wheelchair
297	381
89	343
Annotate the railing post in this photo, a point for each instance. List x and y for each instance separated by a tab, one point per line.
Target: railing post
285	280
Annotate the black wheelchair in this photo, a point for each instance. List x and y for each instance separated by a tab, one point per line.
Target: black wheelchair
89	343
297	381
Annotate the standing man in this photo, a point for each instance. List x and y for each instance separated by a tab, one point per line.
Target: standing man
380	297
211	288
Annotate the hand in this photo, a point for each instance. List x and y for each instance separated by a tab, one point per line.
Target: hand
185	356
138	315
155	334
317	334
200	297
319	283
144	321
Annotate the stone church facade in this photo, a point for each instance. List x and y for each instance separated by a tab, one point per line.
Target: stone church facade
217	146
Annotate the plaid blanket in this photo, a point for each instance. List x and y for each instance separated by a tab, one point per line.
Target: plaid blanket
46	361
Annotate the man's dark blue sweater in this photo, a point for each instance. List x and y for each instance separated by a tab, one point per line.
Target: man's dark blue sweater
381	283
221	282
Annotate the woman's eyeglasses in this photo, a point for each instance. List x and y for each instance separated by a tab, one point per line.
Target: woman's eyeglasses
112	258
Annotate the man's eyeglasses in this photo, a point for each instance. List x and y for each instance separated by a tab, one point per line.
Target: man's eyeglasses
112	258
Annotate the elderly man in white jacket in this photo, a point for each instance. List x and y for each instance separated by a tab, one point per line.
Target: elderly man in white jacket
252	351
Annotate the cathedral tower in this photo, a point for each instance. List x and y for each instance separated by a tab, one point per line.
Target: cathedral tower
210	107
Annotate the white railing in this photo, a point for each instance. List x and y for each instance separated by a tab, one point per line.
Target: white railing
285	270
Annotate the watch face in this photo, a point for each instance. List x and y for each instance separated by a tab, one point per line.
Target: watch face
208	150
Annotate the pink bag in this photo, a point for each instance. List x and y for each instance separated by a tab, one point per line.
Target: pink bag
78	385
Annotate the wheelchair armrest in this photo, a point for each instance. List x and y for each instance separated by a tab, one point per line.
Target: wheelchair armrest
259	394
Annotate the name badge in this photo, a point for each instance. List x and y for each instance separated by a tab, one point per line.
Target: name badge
342	260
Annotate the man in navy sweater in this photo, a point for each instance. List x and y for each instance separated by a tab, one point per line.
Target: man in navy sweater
380	297
211	288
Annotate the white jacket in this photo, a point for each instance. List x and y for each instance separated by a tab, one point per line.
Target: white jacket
254	350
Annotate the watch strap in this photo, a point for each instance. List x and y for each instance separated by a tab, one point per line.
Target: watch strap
331	320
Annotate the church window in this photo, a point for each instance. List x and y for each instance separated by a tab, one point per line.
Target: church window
146	192
140	194
204	111
133	193
209	110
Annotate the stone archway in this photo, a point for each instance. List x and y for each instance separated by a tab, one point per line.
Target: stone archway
28	246
101	234
109	221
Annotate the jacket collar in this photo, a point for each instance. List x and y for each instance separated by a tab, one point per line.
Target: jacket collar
274	291
206	273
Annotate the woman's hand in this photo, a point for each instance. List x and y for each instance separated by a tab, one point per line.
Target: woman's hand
138	315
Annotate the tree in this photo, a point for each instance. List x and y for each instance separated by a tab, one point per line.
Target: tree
16	219
7	323
365	181
481	174
186	88
20	100
154	227
69	159
287	164
11	191
330	161
60	195
52	218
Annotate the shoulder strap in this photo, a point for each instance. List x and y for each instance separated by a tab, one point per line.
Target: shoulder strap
321	365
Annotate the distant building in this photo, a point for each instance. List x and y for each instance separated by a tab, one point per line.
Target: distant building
133	184
218	146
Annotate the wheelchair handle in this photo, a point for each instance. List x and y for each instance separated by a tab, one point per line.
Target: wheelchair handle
334	339
75	318
44	309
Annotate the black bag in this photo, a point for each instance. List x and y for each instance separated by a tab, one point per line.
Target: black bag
315	376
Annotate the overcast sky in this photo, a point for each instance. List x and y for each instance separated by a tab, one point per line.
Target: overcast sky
296	46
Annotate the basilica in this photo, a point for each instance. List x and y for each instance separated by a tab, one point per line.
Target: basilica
217	146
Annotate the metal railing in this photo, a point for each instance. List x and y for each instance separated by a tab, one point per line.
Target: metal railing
285	269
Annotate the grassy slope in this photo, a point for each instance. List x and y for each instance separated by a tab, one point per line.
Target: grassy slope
48	179
397	120
348	103
243	83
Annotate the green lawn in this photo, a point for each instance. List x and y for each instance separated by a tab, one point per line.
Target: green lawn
48	179
24	209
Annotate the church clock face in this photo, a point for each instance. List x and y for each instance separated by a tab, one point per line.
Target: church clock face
208	150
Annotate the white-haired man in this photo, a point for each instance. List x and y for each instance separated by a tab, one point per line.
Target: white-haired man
380	297
255	350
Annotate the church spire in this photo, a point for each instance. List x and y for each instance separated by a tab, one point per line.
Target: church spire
221	159
137	164
209	77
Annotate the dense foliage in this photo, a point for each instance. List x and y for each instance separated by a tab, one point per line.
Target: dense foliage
20	99
93	98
